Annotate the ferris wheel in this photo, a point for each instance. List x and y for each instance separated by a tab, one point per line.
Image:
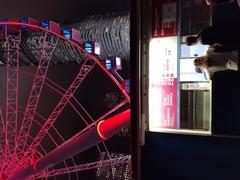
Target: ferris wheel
53	108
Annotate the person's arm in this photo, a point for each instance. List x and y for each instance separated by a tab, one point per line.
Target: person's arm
211	70
191	40
208	35
210	2
221	48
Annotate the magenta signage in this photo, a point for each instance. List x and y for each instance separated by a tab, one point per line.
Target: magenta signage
163	83
168	105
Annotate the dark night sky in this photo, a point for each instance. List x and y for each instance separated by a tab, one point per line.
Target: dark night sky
59	10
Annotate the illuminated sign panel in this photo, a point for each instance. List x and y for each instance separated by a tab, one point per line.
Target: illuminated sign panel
75	35
163	83
113	63
45	24
108	64
67	33
92	47
96	48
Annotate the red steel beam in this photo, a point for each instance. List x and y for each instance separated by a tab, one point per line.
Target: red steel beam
79	143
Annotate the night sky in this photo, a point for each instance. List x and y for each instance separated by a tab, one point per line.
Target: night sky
59	10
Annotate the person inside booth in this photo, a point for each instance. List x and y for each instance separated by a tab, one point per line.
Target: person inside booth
225	29
217	61
223	38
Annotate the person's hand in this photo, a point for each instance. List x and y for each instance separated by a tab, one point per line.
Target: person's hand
201	62
191	40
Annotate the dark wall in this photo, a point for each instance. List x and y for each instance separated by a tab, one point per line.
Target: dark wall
226	103
226	14
186	157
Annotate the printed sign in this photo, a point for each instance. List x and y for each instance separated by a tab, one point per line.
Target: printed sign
163	83
164	21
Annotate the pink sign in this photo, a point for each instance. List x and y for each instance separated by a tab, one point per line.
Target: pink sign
163	83
168	107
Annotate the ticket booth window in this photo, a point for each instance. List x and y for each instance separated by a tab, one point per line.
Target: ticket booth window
179	94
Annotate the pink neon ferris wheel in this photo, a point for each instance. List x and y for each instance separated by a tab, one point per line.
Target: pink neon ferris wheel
52	116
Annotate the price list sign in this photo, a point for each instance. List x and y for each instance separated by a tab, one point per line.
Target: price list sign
163	83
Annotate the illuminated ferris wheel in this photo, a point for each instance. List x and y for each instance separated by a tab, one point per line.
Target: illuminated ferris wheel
53	106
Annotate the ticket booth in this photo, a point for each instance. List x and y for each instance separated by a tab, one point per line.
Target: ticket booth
179	95
191	124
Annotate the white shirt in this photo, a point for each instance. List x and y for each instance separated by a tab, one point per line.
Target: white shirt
221	61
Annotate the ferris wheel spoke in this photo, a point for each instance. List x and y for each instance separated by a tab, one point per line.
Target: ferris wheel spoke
48	47
2	130
22	163
1	155
2	123
30	159
61	91
83	167
72	101
77	144
53	140
26	162
85	69
12	46
2	141
116	107
75	104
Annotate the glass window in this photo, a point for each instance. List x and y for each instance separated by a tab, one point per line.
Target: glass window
179	94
